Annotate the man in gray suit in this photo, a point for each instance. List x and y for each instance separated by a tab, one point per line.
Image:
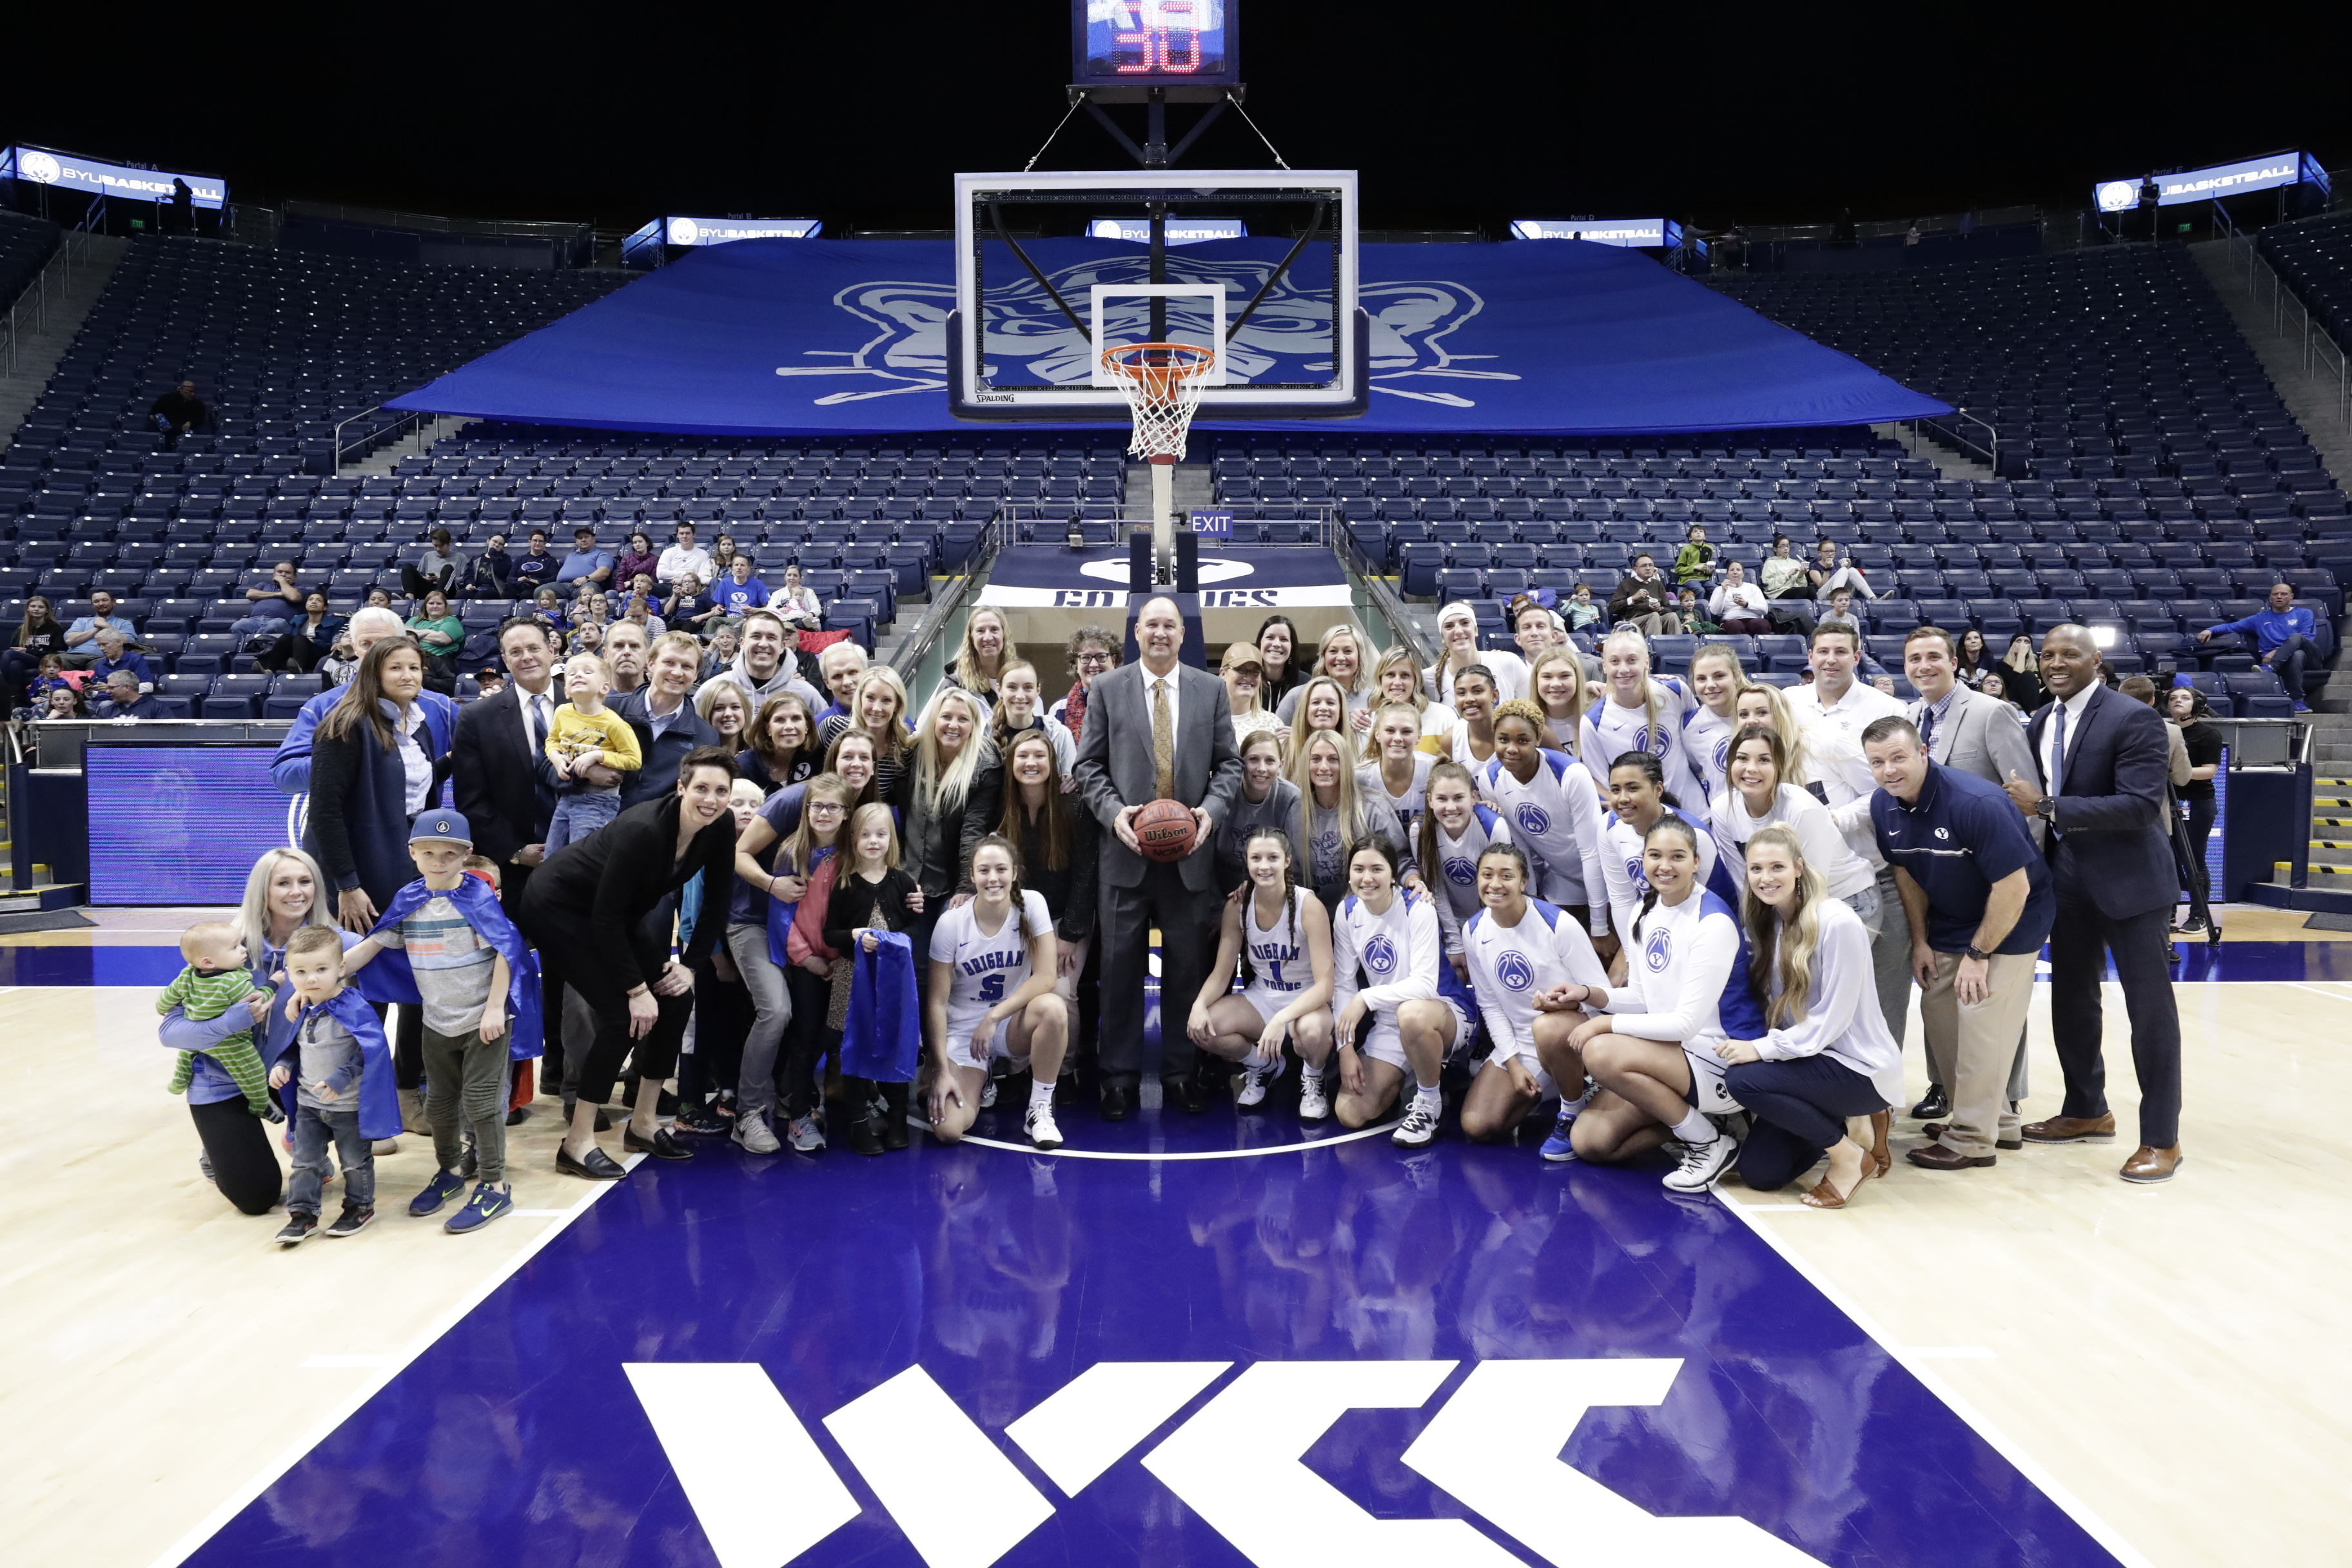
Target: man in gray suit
1976	734
1155	730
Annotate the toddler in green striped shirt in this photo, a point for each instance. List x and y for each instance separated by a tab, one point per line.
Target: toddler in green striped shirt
215	981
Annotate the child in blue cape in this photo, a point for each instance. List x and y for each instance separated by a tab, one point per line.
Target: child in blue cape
444	943
340	1078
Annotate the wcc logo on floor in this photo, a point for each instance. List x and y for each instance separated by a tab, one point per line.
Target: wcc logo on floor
1290	1355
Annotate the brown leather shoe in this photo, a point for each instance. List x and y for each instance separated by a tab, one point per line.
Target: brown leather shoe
2152	1165
1936	1157
1936	1128
2072	1130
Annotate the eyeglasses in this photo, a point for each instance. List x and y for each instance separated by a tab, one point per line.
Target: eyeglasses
824	809
1088	658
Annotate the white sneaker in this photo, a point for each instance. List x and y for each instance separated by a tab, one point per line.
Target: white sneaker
1420	1127
1039	1125
751	1131
1255	1078
1702	1164
1313	1104
807	1136
987	1092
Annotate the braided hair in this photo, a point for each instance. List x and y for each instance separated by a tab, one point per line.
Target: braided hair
1650	894
1289	893
1012	854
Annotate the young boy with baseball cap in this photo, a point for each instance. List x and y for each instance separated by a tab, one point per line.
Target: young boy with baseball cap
470	969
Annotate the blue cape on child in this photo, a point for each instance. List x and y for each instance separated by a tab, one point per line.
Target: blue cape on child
379	1099
388	977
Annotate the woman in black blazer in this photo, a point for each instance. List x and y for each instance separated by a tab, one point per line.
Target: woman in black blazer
378	758
586	910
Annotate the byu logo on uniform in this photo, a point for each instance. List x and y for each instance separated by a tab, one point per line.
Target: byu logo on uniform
1633	871
1514	972
1459	872
1943	833
1379	953
1659	950
1533	818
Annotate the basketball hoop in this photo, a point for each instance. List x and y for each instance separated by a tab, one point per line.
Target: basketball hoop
1162	383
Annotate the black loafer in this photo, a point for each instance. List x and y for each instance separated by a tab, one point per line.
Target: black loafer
661	1145
1118	1102
598	1167
1186	1092
1937	1104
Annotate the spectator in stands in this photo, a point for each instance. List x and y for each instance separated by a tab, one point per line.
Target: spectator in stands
307	641
343	661
442	636
379	757
1840	614
722	558
1644	600
625	650
639	558
490	572
683	557
642	609
273	604
534	570
1693	615
1582	613
437	567
1739	605
1695	561
41	636
592	606
586	567
795	601
739	591
63	702
2021	674
688	609
178	412
1975	659
82	649
115	656
379	599
122	699
2288	636
663	715
844	665
1832	568
980	661
488	682
548	611
1094	651
2189	709
1788	587
1277	643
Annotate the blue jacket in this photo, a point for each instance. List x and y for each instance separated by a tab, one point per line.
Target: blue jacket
379	1099
2272	628
372	809
657	774
291	766
388	978
130	661
2111	832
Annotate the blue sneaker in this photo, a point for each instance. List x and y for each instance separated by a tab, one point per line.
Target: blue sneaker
445	1186
1556	1148
488	1203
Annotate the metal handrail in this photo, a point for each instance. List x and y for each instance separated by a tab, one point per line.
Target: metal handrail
1991	448
2317	343
947	600
412	423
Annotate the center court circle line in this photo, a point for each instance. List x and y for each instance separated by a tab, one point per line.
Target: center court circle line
1066	1151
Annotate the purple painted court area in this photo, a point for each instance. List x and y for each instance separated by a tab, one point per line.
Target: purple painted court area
519	1438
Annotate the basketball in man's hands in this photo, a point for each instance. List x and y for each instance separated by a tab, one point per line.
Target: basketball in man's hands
1165	829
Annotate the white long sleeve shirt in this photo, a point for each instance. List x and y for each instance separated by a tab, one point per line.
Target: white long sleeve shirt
1824	846
1620	867
1458	863
1833	757
1687	976
1556	817
1842	1019
1510	966
1608	731
1399	955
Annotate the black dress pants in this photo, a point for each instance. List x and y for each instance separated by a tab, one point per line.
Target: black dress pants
1187	923
2081	942
237	1144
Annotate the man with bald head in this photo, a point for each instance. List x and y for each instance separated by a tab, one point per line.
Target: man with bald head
2102	764
1155	730
291	766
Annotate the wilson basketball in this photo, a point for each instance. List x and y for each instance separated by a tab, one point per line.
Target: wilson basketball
1165	828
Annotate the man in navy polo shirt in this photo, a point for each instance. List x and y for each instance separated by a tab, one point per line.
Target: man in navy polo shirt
1978	897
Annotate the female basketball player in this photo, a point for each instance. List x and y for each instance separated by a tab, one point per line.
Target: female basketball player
992	995
1826	1062
1554	810
1447	843
1417	1010
1457	628
1397	769
1321	704
1266	799
1640	712
1652	1051
1638	800
1715	679
1280	938
1557	679
1472	739
1528	959
1758	798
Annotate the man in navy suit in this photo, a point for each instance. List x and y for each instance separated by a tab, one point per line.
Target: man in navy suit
2103	761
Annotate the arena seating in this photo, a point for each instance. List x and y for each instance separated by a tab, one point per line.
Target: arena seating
2315	257
26	246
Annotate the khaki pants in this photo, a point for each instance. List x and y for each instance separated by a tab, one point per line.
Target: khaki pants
1973	1046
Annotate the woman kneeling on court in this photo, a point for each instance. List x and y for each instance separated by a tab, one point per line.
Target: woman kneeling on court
1827	1069
1388	936
992	995
1653	1052
1281	940
1529	961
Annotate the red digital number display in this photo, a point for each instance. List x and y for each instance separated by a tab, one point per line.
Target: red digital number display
1165	29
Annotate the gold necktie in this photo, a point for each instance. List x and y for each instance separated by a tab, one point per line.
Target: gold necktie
1163	743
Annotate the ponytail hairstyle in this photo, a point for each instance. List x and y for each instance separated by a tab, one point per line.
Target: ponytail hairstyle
1013	853
1781	947
1289	892
1432	872
1650	767
1649	691
1052	817
1664	824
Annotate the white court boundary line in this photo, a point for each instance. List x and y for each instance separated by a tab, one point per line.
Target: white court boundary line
1911	1359
390	1367
1066	1151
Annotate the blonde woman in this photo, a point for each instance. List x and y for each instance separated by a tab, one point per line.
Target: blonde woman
1334	817
1715	680
979	663
958	793
1457	634
1822	1077
877	710
1244	671
1339	657
1395	768
1397	679
1320	704
1556	685
1640	712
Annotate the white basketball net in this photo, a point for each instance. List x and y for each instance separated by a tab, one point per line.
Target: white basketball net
1162	383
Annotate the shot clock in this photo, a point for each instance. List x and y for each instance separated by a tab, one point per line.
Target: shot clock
1149	43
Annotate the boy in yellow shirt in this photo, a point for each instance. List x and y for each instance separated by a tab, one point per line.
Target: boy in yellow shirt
584	733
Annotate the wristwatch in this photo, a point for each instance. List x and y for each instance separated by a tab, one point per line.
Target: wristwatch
1980	954
2046	807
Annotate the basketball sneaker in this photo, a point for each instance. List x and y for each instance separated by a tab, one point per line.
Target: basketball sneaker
1255	1078
988	1091
488	1203
1313	1104
1702	1164
352	1221
1556	1148
1039	1124
1420	1128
